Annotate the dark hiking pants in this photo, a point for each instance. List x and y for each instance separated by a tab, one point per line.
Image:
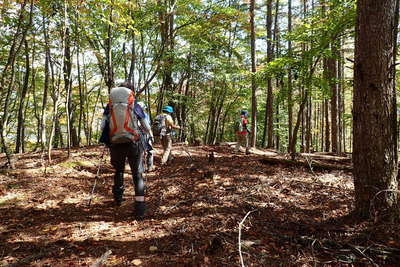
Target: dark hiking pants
133	152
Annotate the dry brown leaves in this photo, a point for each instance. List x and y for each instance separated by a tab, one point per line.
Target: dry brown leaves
194	207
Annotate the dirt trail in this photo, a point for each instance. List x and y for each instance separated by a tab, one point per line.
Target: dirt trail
298	217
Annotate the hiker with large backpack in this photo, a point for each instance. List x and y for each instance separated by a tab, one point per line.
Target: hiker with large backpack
147	141
123	116
163	127
242	132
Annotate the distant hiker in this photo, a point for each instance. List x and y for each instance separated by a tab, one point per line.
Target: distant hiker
242	132
147	141
123	116
163	126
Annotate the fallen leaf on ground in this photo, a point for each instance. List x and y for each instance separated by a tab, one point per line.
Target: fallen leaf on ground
136	262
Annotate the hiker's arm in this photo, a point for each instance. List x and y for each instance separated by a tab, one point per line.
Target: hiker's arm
175	126
247	130
146	127
138	111
172	124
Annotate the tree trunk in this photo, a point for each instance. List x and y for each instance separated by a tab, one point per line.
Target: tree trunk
308	125
45	88
267	135
253	81
290	82
279	79
332	76
25	86
109	54
327	127
375	141
67	67
131	74
307	82
396	31
340	98
14	50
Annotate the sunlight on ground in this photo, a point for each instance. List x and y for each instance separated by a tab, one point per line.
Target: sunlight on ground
10	198
172	190
102	230
72	199
336	180
48	204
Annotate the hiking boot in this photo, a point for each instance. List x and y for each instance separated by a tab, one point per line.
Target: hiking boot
140	208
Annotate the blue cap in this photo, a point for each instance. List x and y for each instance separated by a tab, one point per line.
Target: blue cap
168	109
244	113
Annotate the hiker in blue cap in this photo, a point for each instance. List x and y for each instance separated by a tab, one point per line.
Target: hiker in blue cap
163	126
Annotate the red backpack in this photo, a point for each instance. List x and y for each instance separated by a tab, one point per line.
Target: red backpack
124	126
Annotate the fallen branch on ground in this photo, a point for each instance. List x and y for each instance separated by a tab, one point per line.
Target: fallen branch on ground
316	165
102	259
240	236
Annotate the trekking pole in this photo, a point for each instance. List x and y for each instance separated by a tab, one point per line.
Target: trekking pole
97	174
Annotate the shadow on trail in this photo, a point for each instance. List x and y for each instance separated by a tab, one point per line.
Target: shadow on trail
197	236
193	219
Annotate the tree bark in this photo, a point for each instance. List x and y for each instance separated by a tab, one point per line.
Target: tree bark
375	141
22	31
290	82
67	67
327	126
109	54
332	76
24	91
253	82
47	77
267	135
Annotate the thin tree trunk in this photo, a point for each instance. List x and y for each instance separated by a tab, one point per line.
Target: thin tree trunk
322	140
14	51
340	99
46	87
307	82
24	91
67	66
308	123
332	70
267	134
131	76
290	82
109	54
253	82
327	125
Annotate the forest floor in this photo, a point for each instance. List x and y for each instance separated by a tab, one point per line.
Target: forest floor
283	214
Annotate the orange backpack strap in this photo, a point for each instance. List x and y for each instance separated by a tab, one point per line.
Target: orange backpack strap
131	98
129	111
114	129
